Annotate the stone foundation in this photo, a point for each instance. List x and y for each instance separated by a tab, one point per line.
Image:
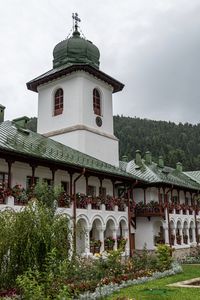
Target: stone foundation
179	253
182	253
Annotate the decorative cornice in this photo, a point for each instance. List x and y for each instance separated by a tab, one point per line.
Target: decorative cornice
57	73
79	127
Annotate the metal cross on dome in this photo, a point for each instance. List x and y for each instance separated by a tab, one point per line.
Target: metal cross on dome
76	19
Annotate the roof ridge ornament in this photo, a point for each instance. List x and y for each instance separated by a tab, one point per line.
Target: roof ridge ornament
76	19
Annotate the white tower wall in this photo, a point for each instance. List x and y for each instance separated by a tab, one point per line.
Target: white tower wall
76	126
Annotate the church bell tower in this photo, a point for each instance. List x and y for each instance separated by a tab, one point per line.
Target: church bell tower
75	99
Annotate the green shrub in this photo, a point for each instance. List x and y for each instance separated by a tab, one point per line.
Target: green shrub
46	285
26	239
46	194
163	253
144	261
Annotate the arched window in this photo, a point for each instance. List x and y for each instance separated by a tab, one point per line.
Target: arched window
58	102
96	102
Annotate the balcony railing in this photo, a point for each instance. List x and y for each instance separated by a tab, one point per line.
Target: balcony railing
149	210
2	200
66	201
82	201
181	209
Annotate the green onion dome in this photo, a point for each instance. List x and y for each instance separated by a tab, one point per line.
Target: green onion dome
75	50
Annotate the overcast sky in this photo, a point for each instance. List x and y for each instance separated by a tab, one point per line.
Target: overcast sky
152	46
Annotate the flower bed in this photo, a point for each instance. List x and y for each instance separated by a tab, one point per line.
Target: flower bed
90	278
190	260
111	269
111	287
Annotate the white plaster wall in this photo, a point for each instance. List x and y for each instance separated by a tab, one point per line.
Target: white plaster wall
189	198
78	110
182	197
61	175
108	185
100	147
3	166
72	87
78	103
89	83
20	171
138	195
145	232
151	194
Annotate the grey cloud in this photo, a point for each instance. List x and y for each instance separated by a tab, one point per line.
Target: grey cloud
151	46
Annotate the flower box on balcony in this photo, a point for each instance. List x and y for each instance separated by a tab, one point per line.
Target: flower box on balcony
198	238
185	239
81	201
121	243
96	203
95	246
172	239
178	239
2	200
4	193
109	243
64	200
150	209
190	210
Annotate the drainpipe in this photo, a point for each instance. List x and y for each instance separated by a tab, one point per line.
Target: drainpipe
74	209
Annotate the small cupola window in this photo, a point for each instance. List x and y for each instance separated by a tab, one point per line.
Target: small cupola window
58	102
96	102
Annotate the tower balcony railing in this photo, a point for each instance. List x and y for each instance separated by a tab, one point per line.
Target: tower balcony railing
150	209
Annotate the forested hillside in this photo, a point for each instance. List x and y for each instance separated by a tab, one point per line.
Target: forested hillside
174	142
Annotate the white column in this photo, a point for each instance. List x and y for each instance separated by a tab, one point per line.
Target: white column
101	237
166	235
174	233
89	206
188	234
193	235
10	201
126	235
198	232
181	234
166	216
87	241
115	238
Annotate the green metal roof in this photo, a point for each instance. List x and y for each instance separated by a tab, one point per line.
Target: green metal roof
76	50
152	173
26	142
69	68
195	175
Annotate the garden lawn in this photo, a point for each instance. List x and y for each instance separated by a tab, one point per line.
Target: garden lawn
160	290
